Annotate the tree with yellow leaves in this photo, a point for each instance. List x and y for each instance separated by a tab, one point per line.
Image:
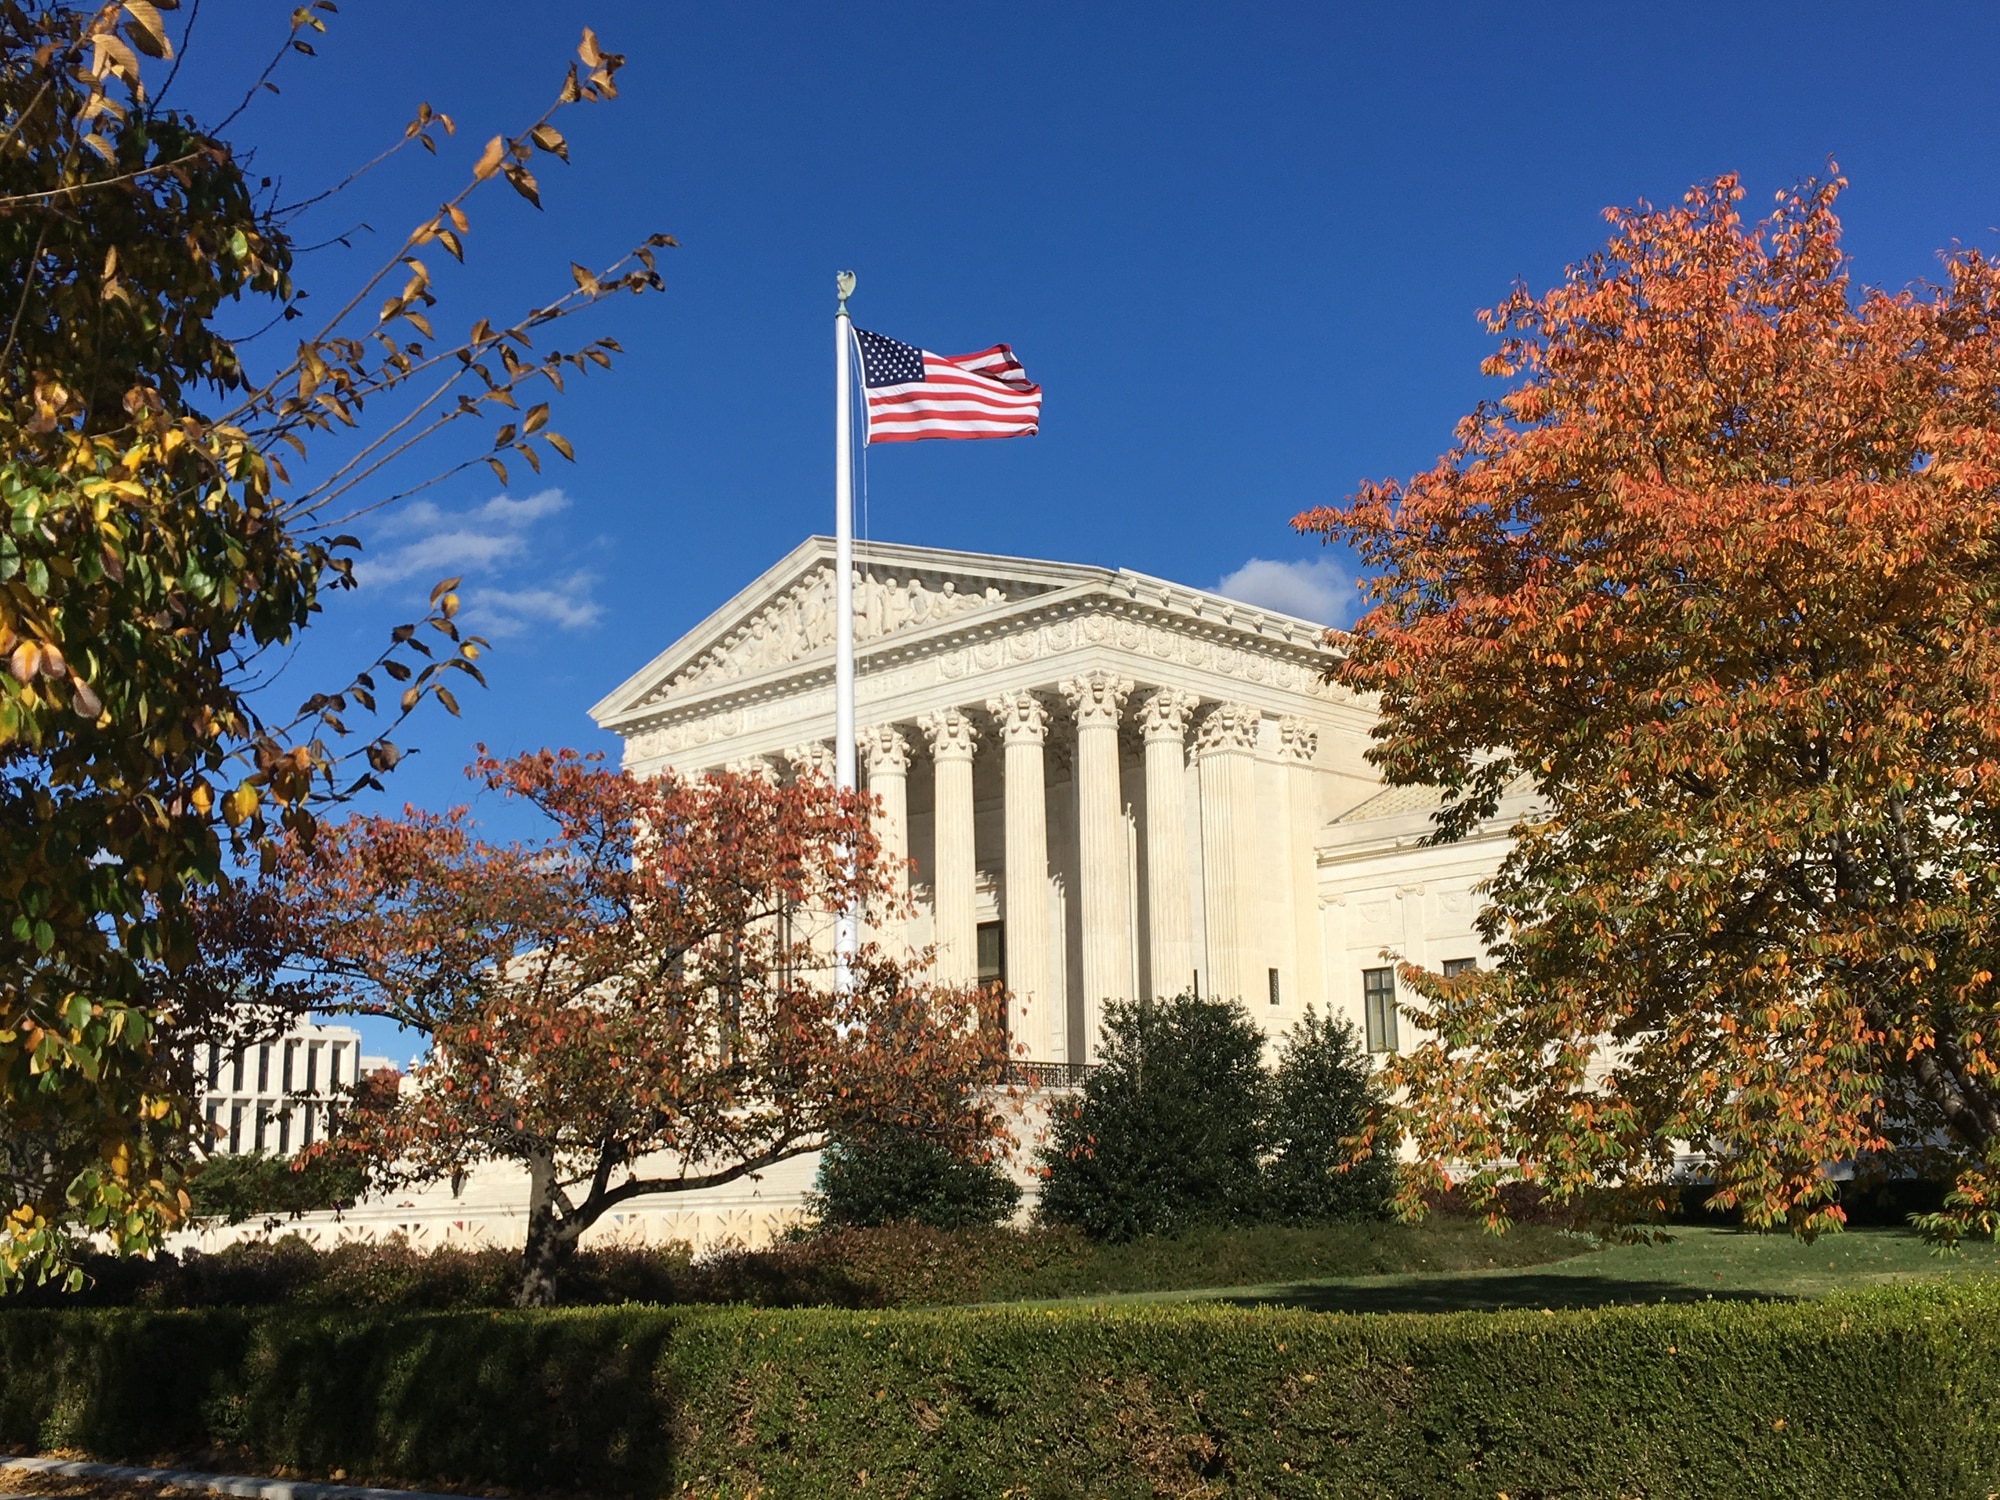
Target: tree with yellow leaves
154	544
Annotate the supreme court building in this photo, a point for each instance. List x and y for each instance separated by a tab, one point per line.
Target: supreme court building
1107	786
1104	785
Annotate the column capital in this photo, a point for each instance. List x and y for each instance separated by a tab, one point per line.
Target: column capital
951	733
1097	698
753	768
1165	713
1229	726
813	758
1023	718
1298	741
885	750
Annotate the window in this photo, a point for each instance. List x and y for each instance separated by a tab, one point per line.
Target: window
1453	967
1274	986
263	1070
1378	1000
992	943
235	1129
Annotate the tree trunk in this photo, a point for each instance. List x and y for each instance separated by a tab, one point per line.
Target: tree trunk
550	1239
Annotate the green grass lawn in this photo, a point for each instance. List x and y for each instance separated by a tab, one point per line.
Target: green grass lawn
1691	1265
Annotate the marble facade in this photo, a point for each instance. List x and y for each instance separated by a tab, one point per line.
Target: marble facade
1107	785
1104	785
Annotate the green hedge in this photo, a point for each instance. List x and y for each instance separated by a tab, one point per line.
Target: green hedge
1874	1394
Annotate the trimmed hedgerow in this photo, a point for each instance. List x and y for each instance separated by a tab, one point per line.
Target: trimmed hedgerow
895	1266
1879	1393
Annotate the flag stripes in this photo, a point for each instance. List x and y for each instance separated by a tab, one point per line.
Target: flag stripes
913	393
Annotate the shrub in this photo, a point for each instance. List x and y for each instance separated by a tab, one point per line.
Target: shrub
1321	1095
250	1185
1169	1128
896	1175
1879	1393
895	1266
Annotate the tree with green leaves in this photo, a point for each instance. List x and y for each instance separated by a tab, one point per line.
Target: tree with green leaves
1324	1097
1168	1130
155	547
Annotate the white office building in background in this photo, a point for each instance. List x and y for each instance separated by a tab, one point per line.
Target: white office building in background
272	1096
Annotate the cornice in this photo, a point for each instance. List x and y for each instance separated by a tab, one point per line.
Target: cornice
1192	613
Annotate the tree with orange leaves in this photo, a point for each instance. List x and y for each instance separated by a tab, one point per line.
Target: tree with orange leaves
643	1003
1719	572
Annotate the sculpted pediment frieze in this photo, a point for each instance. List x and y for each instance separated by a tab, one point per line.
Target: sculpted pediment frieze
799	623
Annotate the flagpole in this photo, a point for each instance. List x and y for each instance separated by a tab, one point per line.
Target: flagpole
846	934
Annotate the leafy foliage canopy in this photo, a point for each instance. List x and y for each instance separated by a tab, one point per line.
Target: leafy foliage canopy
1720	575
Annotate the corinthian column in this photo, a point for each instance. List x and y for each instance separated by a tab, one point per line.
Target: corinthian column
1226	745
1097	700
1298	743
812	759
886	754
753	768
954	916
1037	1021
1163	718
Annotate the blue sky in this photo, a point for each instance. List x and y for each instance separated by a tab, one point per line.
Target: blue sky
1240	247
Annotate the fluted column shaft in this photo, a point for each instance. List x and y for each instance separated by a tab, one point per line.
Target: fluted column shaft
1227	777
886	755
1037	1022
954	912
1163	719
1298	743
1098	699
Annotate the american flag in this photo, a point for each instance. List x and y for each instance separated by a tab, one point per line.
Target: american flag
913	393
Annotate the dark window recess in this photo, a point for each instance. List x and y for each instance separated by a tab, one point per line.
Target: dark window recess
263	1070
1378	1001
992	953
1274	986
1453	967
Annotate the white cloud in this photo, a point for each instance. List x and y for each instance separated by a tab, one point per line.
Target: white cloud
483	539
566	604
497	541
1312	588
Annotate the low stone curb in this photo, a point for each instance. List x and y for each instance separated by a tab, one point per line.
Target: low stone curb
217	1484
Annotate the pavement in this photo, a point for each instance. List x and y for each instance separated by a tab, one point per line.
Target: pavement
250	1486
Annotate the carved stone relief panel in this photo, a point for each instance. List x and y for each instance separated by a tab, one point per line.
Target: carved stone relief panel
801	623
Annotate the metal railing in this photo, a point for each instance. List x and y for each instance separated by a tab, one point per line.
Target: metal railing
1046	1075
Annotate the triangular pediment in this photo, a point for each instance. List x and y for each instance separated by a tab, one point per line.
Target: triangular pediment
785	619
